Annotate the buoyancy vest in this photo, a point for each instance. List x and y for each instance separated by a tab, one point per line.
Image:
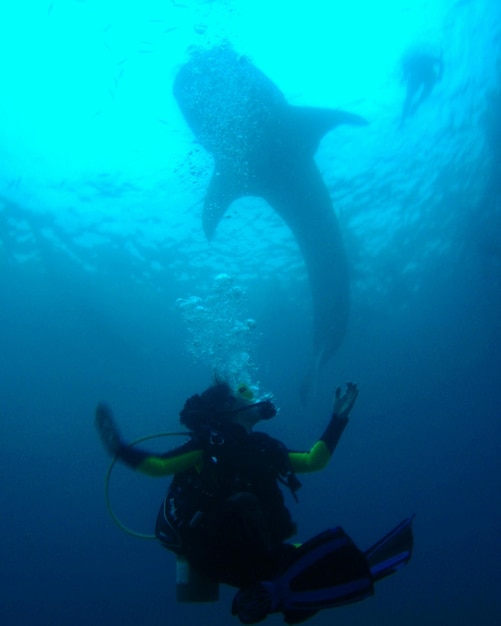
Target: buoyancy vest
235	462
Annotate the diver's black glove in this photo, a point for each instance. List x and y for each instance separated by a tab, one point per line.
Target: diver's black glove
341	410
113	442
107	429
344	403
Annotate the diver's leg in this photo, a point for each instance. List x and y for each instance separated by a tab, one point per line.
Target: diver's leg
328	571
410	94
424	92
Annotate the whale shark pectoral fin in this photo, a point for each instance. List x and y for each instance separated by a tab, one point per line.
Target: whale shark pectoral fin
312	123
222	191
340	117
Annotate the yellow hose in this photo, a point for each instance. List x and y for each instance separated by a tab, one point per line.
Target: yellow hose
112	513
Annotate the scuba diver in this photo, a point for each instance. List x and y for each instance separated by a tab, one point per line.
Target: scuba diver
224	513
420	71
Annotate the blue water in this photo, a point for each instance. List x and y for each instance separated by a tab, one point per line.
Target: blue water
101	188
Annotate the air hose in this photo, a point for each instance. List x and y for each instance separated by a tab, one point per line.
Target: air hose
112	513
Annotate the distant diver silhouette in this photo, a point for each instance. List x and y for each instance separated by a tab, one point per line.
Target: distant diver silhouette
420	73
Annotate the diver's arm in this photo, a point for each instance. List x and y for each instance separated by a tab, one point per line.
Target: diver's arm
340	412
318	457
154	465
314	460
178	460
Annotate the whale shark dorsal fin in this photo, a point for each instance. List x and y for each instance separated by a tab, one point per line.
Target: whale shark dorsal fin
311	123
224	188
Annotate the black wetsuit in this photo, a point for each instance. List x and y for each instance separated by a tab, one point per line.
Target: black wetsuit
224	509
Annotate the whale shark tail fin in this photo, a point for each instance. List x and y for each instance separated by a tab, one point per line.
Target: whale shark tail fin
312	123
309	386
224	188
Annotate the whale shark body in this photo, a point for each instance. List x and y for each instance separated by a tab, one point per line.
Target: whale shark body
262	146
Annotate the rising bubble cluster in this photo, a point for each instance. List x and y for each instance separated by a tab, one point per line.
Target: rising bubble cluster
219	332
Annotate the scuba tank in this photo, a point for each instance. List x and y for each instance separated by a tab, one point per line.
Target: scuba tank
192	585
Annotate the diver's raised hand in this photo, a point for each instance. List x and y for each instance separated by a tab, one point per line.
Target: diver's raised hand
107	429
343	403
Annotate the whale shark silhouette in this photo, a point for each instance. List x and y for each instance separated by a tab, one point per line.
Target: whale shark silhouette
262	146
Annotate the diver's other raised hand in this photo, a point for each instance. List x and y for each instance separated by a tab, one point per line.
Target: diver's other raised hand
343	402
107	429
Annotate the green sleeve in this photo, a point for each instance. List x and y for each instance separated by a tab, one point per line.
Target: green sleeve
313	461
158	466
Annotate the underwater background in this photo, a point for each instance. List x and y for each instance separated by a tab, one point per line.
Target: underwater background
110	291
